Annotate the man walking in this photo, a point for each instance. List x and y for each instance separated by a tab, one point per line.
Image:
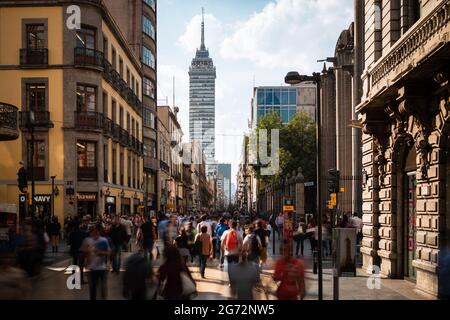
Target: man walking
220	229
232	243
145	234
118	237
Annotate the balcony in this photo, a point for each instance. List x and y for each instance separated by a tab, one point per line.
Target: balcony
164	166
107	127
33	57
41	120
85	57
88	120
151	164
8	122
116	132
124	138
87	174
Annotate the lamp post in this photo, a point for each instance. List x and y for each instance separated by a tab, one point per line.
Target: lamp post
53	195
31	160
294	78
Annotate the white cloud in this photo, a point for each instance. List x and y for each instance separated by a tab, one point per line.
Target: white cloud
214	33
288	33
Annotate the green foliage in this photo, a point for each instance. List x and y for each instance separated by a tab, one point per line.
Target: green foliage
297	145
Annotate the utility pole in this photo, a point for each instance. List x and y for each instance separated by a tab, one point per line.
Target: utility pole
53	195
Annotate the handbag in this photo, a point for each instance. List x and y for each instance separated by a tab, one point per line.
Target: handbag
187	284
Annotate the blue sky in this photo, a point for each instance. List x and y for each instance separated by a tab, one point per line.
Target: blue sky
251	41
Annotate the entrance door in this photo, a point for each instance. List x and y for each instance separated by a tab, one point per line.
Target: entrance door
410	224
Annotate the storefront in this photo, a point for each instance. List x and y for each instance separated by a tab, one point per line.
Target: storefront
125	206
87	204
110	205
136	204
43	203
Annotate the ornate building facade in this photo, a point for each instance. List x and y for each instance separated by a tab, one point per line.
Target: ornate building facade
405	109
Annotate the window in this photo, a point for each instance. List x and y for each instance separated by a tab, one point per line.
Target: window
133	133
128	122
137	130
105	104
105	47
35	36
293	96
147	27
37	159
36	97
147	57
128	77
137	89
121	67
121	115
132	84
113	58
122	165
284	97
114	165
105	163
151	3
113	111
149	118
269	96
86	38
148	87
276	96
129	170
86	154
86	98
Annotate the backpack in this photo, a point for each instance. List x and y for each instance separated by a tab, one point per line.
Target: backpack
231	241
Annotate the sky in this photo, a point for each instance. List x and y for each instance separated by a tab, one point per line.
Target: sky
252	43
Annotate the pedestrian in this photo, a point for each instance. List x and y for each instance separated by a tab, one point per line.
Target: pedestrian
182	244
54	231
326	236
137	277
244	276
175	280
145	235
76	239
206	223
299	237
220	229
263	235
345	223
280	223
251	246
206	249
356	222
311	232
190	233
128	224
118	236
290	272
232	245
97	250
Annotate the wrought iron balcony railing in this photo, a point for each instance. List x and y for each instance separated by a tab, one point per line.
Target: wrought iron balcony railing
34	57
89	120
87	173
41	119
89	58
8	122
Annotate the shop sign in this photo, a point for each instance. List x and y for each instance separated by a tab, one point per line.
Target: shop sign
87	197
110	200
38	198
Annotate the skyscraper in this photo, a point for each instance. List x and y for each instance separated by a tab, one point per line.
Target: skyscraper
202	75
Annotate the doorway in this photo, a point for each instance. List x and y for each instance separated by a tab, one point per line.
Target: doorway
409	214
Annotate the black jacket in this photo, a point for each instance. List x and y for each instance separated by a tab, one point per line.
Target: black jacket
118	234
76	239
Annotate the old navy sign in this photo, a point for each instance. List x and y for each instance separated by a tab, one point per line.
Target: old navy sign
41	198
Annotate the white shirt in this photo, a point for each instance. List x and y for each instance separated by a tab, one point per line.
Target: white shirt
357	223
247	243
128	225
208	226
280	220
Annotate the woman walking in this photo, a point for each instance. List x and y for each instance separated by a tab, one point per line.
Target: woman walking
206	248
174	276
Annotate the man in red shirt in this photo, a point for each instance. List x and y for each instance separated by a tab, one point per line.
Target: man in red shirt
291	273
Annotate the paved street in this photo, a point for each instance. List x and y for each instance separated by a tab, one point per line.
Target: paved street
52	284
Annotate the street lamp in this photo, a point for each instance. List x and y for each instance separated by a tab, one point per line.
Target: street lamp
53	195
293	78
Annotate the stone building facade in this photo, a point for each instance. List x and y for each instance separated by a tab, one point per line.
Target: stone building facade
405	110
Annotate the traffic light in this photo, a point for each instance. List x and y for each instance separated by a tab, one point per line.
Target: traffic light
333	181
22	180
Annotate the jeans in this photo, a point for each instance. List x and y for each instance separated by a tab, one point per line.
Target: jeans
300	245
116	255
221	255
203	259
96	276
280	231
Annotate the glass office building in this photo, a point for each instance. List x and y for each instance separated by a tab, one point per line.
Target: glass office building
282	100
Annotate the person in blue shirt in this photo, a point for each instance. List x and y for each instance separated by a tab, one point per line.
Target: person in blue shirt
220	229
